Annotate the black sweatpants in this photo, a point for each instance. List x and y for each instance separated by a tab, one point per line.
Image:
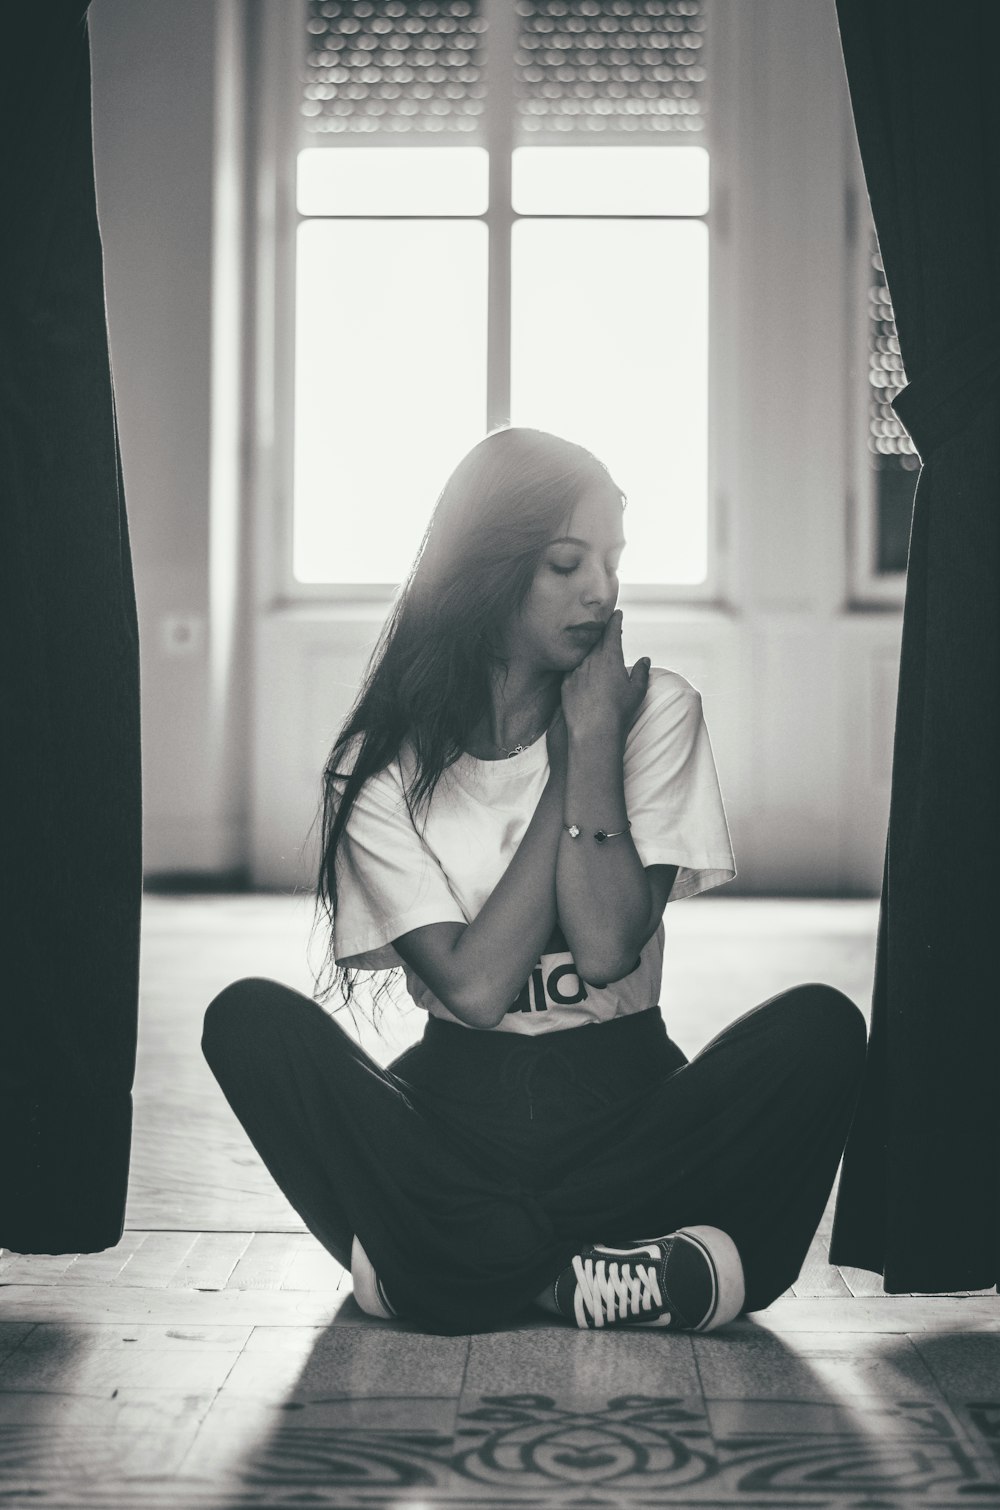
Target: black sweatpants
475	1166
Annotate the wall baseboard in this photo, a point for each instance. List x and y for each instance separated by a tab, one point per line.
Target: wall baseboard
194	846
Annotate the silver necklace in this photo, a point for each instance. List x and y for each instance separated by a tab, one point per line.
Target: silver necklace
520	749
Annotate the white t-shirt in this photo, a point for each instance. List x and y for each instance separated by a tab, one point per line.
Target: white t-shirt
394	875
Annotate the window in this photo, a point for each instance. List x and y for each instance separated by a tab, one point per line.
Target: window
894	460
885	465
502	214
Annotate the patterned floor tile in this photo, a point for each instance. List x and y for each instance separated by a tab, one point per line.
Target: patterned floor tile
590	1367
235	1443
507	1449
635	1451
856	1467
967	1370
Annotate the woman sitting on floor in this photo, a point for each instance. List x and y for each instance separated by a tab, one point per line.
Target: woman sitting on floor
508	810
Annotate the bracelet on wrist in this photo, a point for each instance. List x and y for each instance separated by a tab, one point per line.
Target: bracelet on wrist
601	835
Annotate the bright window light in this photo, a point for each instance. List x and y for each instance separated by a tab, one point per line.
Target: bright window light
610	181
610	348
393	181
390	387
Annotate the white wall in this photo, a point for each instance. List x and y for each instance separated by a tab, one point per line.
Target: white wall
167	185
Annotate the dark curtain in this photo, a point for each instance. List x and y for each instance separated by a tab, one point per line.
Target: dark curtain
69	694
920	1191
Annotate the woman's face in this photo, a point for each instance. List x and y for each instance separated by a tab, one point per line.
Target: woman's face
574	589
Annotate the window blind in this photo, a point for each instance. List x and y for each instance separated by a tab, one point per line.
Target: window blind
405	67
602	69
609	69
894	459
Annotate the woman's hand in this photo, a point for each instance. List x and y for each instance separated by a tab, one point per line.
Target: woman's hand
601	696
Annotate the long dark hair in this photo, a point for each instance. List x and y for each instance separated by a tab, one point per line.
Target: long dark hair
428	680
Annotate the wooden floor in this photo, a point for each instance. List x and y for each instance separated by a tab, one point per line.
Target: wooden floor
216	1358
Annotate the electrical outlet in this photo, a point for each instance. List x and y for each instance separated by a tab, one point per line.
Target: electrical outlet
182	633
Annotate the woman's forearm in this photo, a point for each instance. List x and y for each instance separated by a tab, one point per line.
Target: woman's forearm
602	892
477	969
496	953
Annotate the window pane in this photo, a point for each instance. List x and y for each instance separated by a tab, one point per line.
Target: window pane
610	180
393	181
390	387
610	348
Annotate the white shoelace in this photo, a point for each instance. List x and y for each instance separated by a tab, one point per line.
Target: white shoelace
615	1292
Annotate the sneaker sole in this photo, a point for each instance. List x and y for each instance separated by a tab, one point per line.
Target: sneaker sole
728	1289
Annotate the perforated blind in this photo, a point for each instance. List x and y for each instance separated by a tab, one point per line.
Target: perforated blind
403	67
894	458
609	69
601	69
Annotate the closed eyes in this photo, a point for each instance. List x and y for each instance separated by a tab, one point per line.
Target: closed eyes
567	571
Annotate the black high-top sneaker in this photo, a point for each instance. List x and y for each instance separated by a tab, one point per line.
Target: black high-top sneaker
690	1280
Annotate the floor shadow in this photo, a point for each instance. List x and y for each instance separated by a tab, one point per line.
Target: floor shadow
550	1416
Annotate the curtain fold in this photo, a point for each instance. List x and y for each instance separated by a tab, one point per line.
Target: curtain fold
69	680
919	1197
